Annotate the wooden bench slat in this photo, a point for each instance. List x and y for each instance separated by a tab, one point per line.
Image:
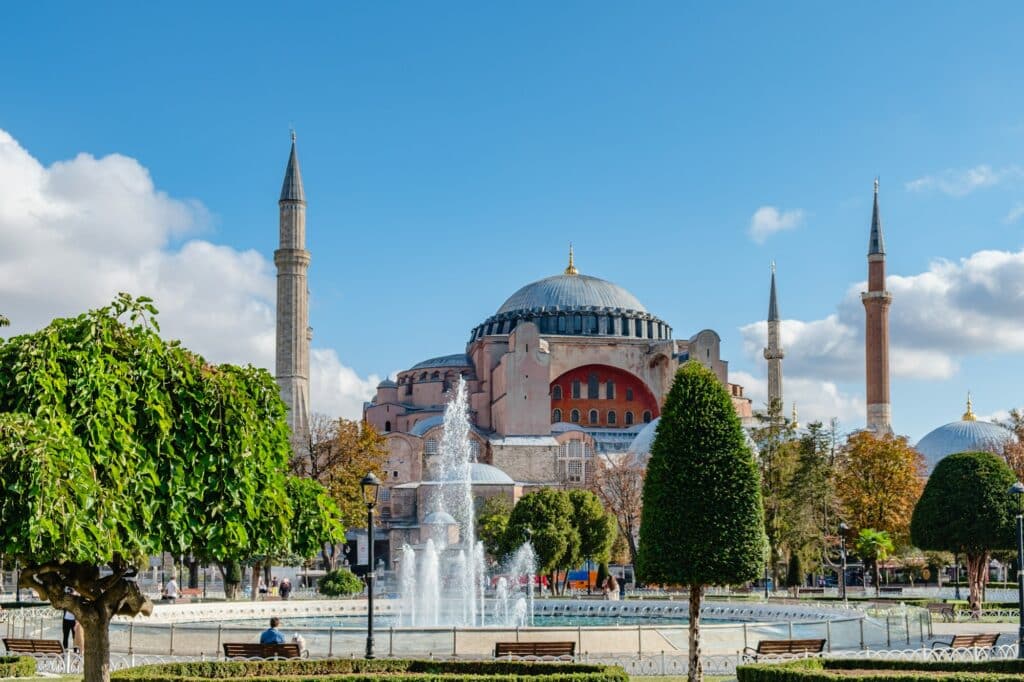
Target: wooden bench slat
984	640
767	647
252	650
33	646
534	649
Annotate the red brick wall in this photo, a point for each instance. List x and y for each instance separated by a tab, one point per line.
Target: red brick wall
643	400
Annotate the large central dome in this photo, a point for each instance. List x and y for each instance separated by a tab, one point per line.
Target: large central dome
571	292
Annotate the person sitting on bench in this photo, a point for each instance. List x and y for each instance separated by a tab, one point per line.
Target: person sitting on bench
272	635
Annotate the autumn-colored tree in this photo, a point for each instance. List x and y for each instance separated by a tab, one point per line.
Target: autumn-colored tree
1013	450
619	484
878	481
341	452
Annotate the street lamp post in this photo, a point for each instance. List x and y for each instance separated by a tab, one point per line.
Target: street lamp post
1017	490
370	486
766	582
956	576
843	529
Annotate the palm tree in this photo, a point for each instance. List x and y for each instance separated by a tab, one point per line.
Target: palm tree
873	546
4	321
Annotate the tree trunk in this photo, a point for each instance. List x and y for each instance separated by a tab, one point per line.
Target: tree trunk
96	631
878	578
193	574
695	673
977	568
255	581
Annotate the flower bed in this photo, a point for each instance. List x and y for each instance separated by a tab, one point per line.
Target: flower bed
17	666
359	670
880	670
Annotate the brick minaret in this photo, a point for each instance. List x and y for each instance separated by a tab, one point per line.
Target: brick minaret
293	330
876	335
773	353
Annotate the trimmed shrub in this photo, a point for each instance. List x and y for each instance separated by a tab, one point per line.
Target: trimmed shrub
834	670
361	670
340	583
17	666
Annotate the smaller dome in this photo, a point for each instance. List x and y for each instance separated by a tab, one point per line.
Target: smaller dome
966	435
457	360
640	448
387	383
484	474
439	518
421	427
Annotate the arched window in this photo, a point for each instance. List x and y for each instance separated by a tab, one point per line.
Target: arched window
387	426
561	324
574	416
435	376
556	416
430	447
611	417
609	390
556	392
639	329
629	418
592	384
577	323
647	416
576	389
624	326
629	394
650	329
593	419
590	324
474	449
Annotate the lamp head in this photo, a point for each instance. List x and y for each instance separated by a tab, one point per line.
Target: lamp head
370	486
1017	489
843	528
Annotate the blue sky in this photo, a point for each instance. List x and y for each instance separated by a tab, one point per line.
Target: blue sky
450	151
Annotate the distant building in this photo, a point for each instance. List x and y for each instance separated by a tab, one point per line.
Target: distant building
568	367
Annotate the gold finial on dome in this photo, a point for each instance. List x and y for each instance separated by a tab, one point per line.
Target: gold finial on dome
571	270
969	414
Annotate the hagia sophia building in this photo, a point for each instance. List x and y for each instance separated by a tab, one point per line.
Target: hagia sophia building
569	368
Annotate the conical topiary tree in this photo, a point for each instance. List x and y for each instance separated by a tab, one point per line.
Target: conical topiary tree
703	523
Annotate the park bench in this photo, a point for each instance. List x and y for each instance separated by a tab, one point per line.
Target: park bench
811	590
985	640
250	650
779	647
941	608
890	590
33	646
539	649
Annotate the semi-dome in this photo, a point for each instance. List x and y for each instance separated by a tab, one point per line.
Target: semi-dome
967	435
572	304
640	448
439	518
456	360
484	474
571	292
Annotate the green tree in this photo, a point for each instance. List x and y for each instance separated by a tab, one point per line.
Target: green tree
873	546
966	509
491	524
340	583
315	518
596	527
116	445
4	322
811	507
702	522
544	518
794	573
775	437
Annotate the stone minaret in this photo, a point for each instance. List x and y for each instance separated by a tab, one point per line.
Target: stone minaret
773	353
293	330
876	335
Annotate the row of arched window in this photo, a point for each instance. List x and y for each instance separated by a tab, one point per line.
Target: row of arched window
589	324
594	417
593	389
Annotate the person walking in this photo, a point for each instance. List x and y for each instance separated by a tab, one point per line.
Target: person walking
68	627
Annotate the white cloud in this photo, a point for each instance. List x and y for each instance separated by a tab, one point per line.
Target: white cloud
958	183
768	220
75	233
815	400
1015	213
951	310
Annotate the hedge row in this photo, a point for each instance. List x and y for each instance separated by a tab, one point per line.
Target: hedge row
840	670
17	666
360	670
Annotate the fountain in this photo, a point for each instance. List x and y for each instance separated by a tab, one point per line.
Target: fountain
444	581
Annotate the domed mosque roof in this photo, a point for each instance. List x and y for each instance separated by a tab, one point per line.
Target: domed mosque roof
545	300
967	435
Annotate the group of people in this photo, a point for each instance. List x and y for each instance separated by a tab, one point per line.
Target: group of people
282	588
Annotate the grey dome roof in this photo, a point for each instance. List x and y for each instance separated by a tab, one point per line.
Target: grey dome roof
387	383
485	474
456	360
439	518
571	291
963	436
422	426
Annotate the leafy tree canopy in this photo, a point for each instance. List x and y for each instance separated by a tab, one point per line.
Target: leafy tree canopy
597	528
491	524
315	518
543	517
966	507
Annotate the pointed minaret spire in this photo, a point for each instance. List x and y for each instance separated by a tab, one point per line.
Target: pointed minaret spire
773	352
876	330
876	244
293	331
571	270
291	189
